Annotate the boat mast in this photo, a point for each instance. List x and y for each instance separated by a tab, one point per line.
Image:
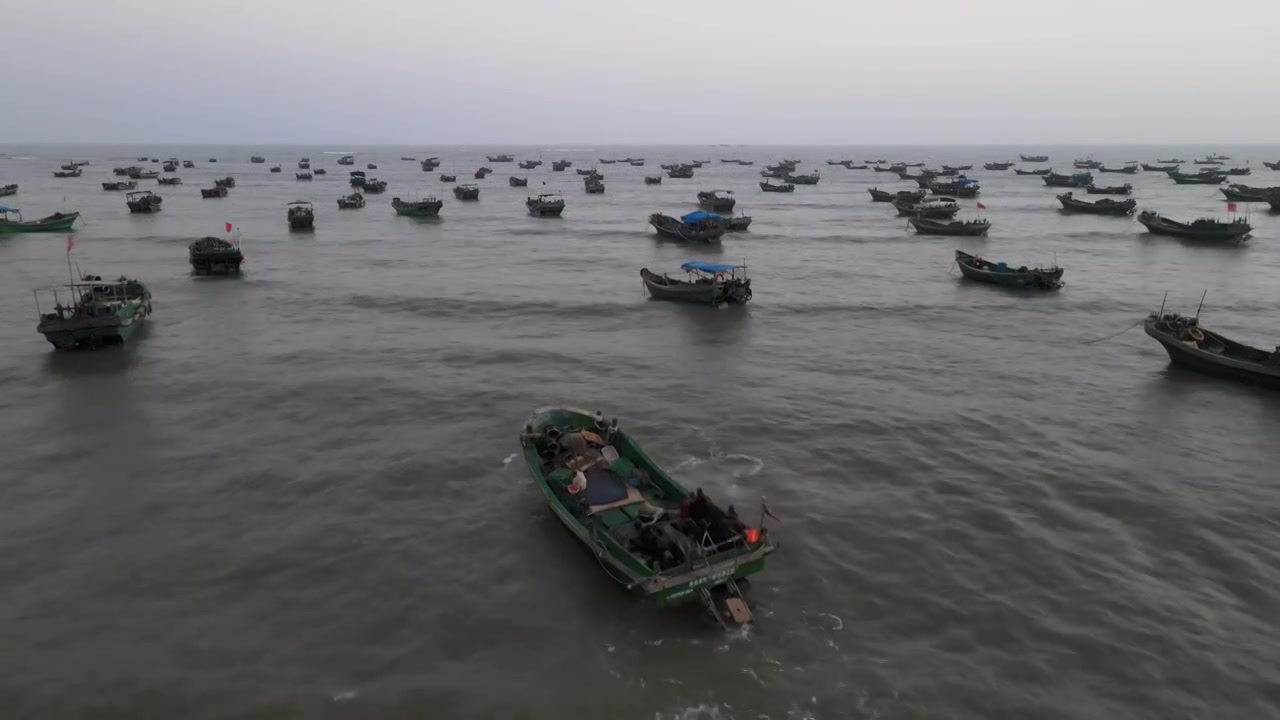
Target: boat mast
1206	292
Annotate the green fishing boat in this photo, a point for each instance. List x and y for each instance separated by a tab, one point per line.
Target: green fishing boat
708	284
647	532
11	222
96	313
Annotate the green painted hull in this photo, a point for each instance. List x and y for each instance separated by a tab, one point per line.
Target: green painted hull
50	224
604	533
93	332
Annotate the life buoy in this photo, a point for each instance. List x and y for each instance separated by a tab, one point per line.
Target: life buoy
1195	334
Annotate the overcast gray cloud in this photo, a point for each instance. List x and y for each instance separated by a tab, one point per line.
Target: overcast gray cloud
660	71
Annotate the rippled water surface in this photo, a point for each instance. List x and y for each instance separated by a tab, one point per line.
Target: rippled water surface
294	496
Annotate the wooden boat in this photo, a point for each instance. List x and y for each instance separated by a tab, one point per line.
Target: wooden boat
783	188
429	207
636	163
354	201
934	208
11	222
301	215
1034	158
717	200
1159	168
737	223
347	160
1125	189
1127	169
962	188
1080	179
409	159
140	174
256	160
448	178
275	168
430	164
907	196
500	158
1206	229
879	168
545	205
74	173
852	167
466	192
514	181
482	172
304	165
188	164
604	161
997	165
1042	172
561	165
647	532
593	186
876	162
7	190
695	227
169	181
838	162
1238	171
94	312
652	179
357	181
925	226
117	186
143	201
373	186
144	158
696	164
707	284
1204	351
529	165
1207	161
683	172
302	175
914	164
1244	193
956	168
1198	178
357	173
1272	165
773	174
1087	164
121	171
212	160
1174	161
1105	206
217	191
214	256
1211	156
802	179
226	182
321	171
975	268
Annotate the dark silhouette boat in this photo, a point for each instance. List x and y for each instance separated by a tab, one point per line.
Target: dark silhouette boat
373	186
1210	353
1080	179
907	196
545	205
684	172
1034	158
214	256
1128	169
500	158
934	208
717	200
1239	171
466	192
1272	165
1174	161
1087	164
217	191
1200	178
117	186
811	179
1204	229
1037	173
561	165
593	186
999	273
301	215
514	181
1244	193
143	201
1125	189
1105	206
783	188
699	226
652	179
961	187
257	160
448	178
169	181
1159	168
427	207
354	201
226	182
997	165
925	226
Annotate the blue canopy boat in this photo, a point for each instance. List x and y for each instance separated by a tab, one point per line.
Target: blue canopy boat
708	284
698	226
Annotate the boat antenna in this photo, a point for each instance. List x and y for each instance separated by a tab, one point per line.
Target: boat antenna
1206	292
1162	302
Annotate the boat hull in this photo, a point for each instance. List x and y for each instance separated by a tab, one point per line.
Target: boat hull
43	225
92	333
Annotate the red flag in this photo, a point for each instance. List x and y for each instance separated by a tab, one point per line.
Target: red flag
228	227
981	206
1231	207
70	244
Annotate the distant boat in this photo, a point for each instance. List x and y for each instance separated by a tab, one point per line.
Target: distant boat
998	273
214	256
1034	158
997	166
118	186
545	205
257	159
354	201
1244	193
188	164
275	168
593	185
466	192
514	181
652	179
1125	189
1080	179
500	158
67	173
217	191
1200	178
1105	206
717	200
925	226
695	227
1159	168
373	186
430	207
1038	173
346	160
7	190
767	186
301	215
305	175
143	201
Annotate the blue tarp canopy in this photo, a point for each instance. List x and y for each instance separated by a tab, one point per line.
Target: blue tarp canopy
707	267
699	216
6	208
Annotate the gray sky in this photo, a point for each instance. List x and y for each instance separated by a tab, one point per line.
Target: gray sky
644	71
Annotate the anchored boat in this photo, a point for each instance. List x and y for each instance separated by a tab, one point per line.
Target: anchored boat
143	201
215	256
1105	206
648	532
998	273
466	192
545	205
1207	229
767	186
429	207
717	200
925	226
11	222
93	312
695	227
1193	347
354	201
7	190
301	215
1034	158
